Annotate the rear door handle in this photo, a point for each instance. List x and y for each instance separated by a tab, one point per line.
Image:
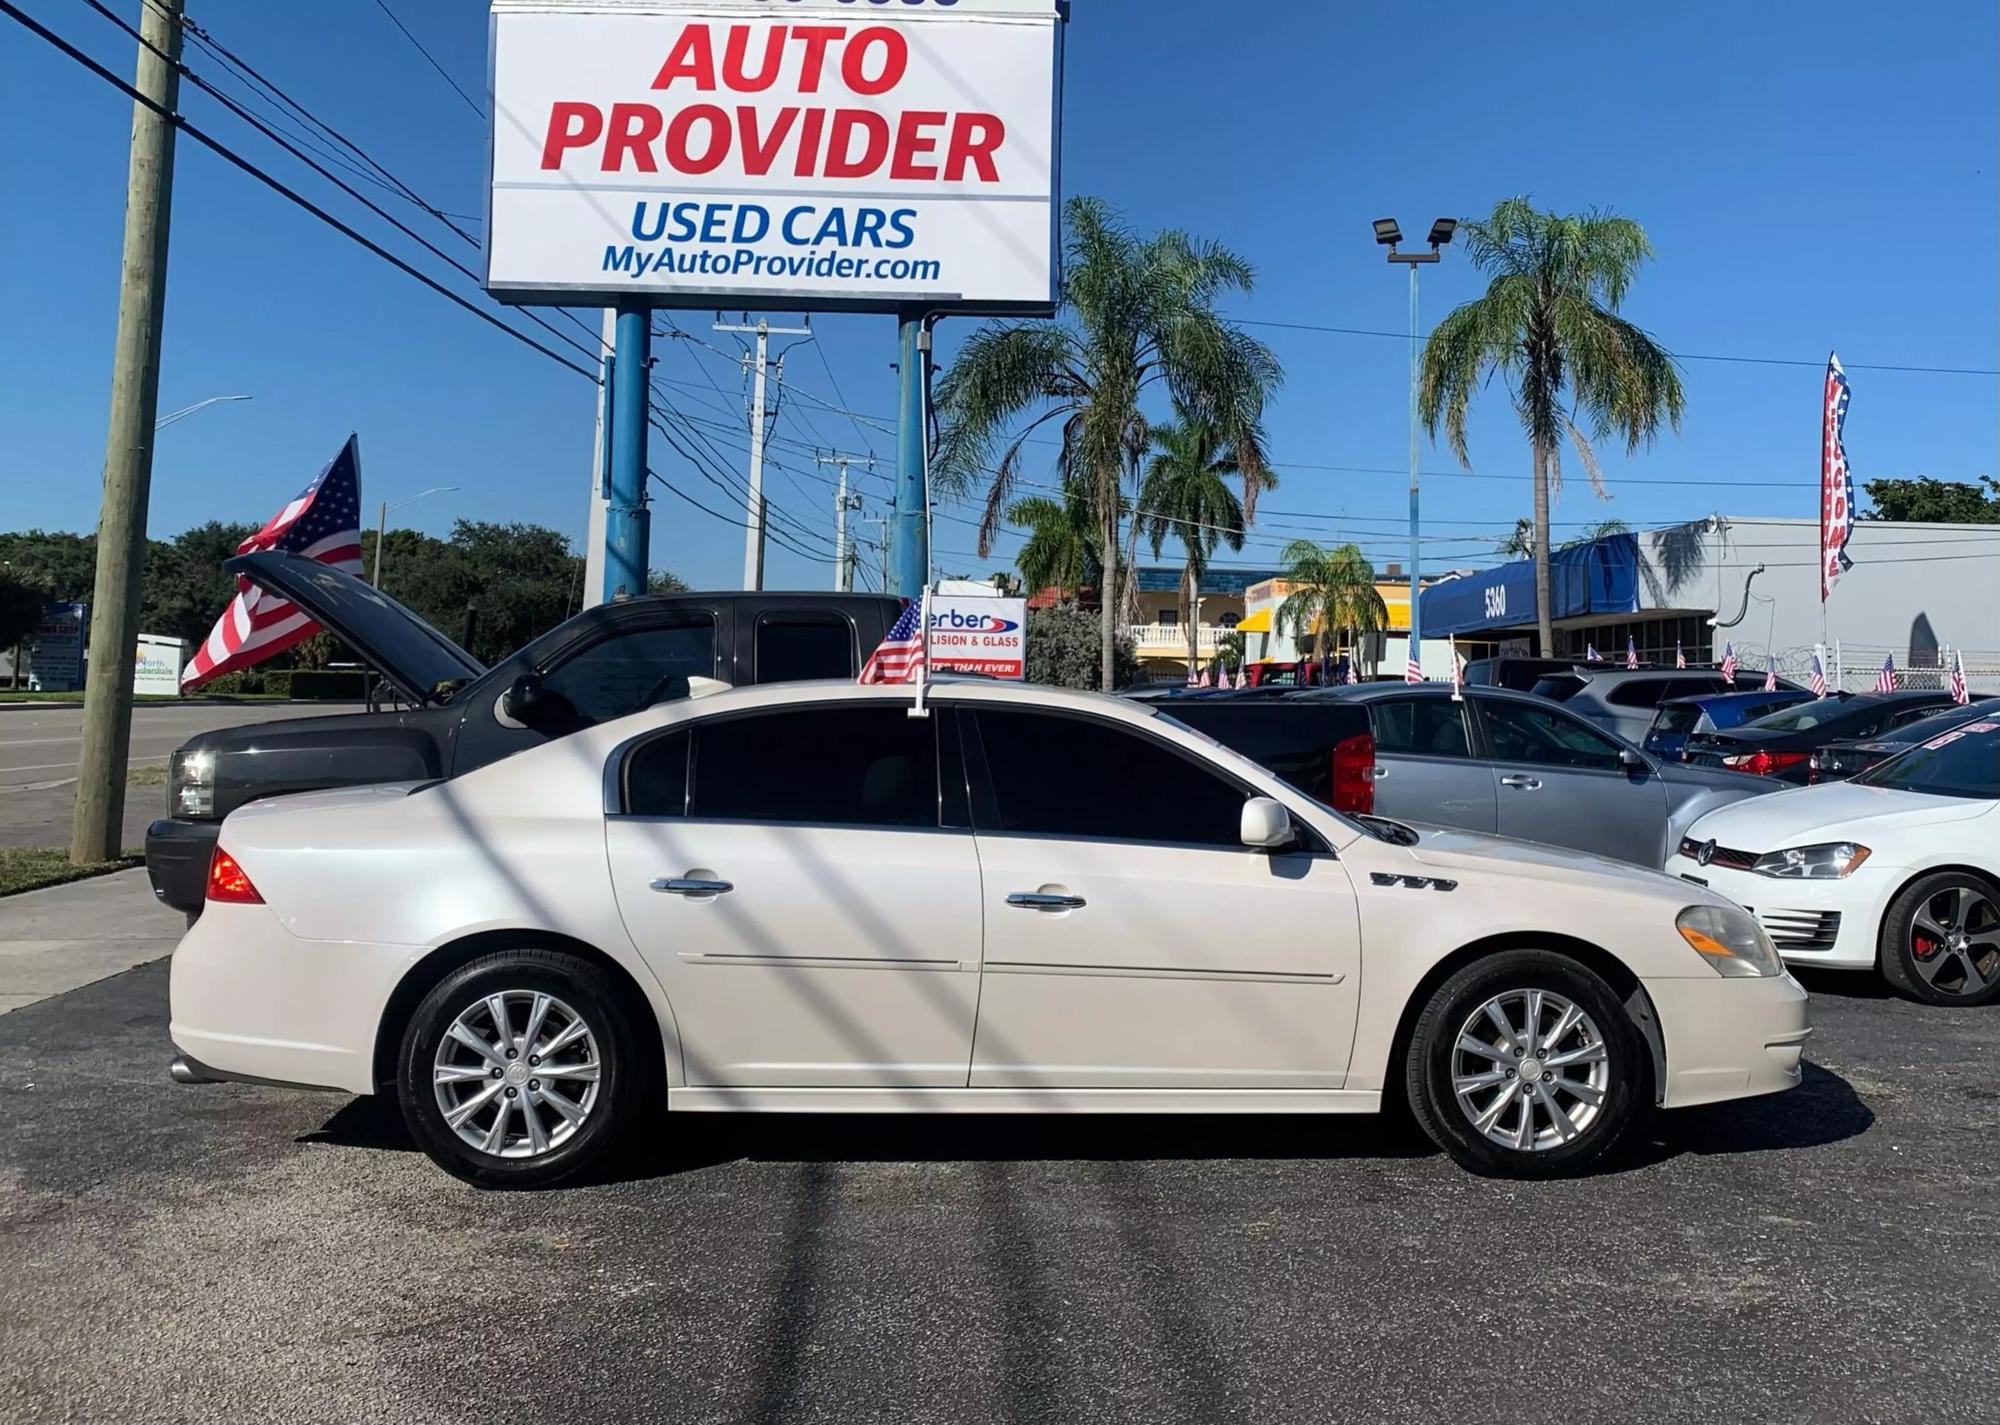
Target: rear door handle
1522	784
1040	900
684	886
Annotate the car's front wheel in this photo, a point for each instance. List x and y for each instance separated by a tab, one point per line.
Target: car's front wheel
1941	940
1524	1064
519	1069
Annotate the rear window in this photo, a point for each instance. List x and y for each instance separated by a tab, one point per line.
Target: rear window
1803	717
1651	692
1676	717
1558	689
1294	741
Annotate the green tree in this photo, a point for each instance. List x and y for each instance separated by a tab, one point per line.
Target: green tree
1061	551
1063	651
1186	495
1602	529
1926	500
1549	325
1332	590
20	615
1136	313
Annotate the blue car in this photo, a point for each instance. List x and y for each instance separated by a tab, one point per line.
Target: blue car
1711	712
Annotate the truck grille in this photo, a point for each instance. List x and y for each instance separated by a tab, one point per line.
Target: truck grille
1801	929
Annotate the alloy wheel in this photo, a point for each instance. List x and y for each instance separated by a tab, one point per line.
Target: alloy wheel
1530	1070
1955	940
517	1073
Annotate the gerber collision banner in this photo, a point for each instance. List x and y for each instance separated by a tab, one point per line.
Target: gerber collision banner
865	154
970	634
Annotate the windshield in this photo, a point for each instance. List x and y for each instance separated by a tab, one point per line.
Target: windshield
1803	717
1964	762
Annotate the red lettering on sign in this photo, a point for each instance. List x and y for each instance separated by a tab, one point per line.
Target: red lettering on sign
571	125
760	151
854	60
840	161
733	72
816	38
974	137
913	143
634	129
684	159
692	57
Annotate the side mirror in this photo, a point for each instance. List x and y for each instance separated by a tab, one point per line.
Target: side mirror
1266	825
526	703
1631	761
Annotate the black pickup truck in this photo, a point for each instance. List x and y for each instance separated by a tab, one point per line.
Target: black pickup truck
604	663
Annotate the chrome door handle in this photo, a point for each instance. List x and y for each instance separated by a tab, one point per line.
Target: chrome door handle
1522	784
1038	900
1381	772
682	886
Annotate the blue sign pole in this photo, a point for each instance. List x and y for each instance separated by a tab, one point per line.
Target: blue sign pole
909	562
1416	547
626	522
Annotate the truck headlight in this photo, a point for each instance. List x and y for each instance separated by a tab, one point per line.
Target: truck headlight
1813	863
191	784
1730	940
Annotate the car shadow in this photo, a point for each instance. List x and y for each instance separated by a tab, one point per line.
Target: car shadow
1824	1109
1842	984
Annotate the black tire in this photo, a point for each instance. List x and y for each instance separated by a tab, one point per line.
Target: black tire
1434	1052
1936	971
614	1046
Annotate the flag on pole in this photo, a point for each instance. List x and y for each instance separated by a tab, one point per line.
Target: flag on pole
1680	655
1413	672
1959	693
1207	678
1818	675
899	658
1457	672
322	523
1194	679
1836	481
1591	655
1729	660
1353	673
1631	652
1885	681
1770	677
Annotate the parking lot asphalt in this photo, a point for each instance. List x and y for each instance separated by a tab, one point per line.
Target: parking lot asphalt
234	1253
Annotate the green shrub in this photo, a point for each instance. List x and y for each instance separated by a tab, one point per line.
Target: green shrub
1065	649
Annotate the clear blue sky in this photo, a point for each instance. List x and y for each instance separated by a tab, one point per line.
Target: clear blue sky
1812	178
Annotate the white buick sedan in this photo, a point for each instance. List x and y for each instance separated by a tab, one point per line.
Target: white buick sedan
804	898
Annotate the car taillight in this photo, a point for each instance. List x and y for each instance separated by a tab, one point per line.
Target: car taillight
1764	764
227	882
1354	774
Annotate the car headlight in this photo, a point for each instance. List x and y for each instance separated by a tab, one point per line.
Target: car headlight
191	784
1730	940
1813	863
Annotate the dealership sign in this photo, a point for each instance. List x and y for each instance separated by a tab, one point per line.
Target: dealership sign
979	635
861	154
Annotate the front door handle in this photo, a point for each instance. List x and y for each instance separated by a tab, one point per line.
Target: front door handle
1041	900
687	886
1522	784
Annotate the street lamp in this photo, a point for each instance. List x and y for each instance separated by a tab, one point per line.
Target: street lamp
1389	235
382	522
185	411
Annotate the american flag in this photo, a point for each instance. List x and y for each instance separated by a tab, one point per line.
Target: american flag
1836	481
323	523
900	657
1591	655
1353	673
1818	676
1770	677
1885	681
1413	672
1207	678
1959	693
1729	660
1631	652
1680	655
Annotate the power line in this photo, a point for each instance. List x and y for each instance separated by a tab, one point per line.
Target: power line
470	102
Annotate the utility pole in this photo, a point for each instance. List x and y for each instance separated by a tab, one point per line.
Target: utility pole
600	468
97	832
911	537
843	549
627	523
753	536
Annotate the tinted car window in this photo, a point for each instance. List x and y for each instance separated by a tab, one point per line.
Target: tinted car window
1523	733
1293	739
1676	717
1906	716
1424	727
1058	776
1803	717
1960	763
835	765
1650	692
792	649
635	669
656	777
1559	689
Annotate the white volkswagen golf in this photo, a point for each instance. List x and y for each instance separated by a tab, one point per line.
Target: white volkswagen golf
805	898
1897	870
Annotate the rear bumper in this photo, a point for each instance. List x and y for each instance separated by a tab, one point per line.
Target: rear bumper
1730	1038
177	857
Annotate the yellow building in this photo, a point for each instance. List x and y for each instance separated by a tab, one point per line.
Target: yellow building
1387	650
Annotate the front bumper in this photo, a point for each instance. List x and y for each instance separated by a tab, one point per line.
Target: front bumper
1730	1038
251	1001
177	857
1834	924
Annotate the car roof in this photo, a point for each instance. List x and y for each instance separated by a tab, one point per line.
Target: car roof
943	690
1744	694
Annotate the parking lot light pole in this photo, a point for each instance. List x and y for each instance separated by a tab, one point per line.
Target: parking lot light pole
1389	235
382	523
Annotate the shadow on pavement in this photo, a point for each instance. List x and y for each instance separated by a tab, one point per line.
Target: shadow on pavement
1843	984
1822	1110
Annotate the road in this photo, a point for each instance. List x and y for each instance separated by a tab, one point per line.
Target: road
226	1253
40	749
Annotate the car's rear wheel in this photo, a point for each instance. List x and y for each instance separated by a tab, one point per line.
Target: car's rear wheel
1524	1064
519	1069
1941	940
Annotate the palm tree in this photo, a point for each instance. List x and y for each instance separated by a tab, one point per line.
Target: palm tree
1186	494
1136	313
1061	551
1331	589
1549	325
1602	529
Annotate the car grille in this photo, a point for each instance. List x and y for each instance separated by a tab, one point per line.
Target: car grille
1722	856
1801	929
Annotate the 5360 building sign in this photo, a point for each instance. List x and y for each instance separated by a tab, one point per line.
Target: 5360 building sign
817	153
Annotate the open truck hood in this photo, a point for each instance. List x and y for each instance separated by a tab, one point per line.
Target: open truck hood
419	660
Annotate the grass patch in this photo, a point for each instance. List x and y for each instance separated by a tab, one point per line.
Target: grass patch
148	774
29	868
